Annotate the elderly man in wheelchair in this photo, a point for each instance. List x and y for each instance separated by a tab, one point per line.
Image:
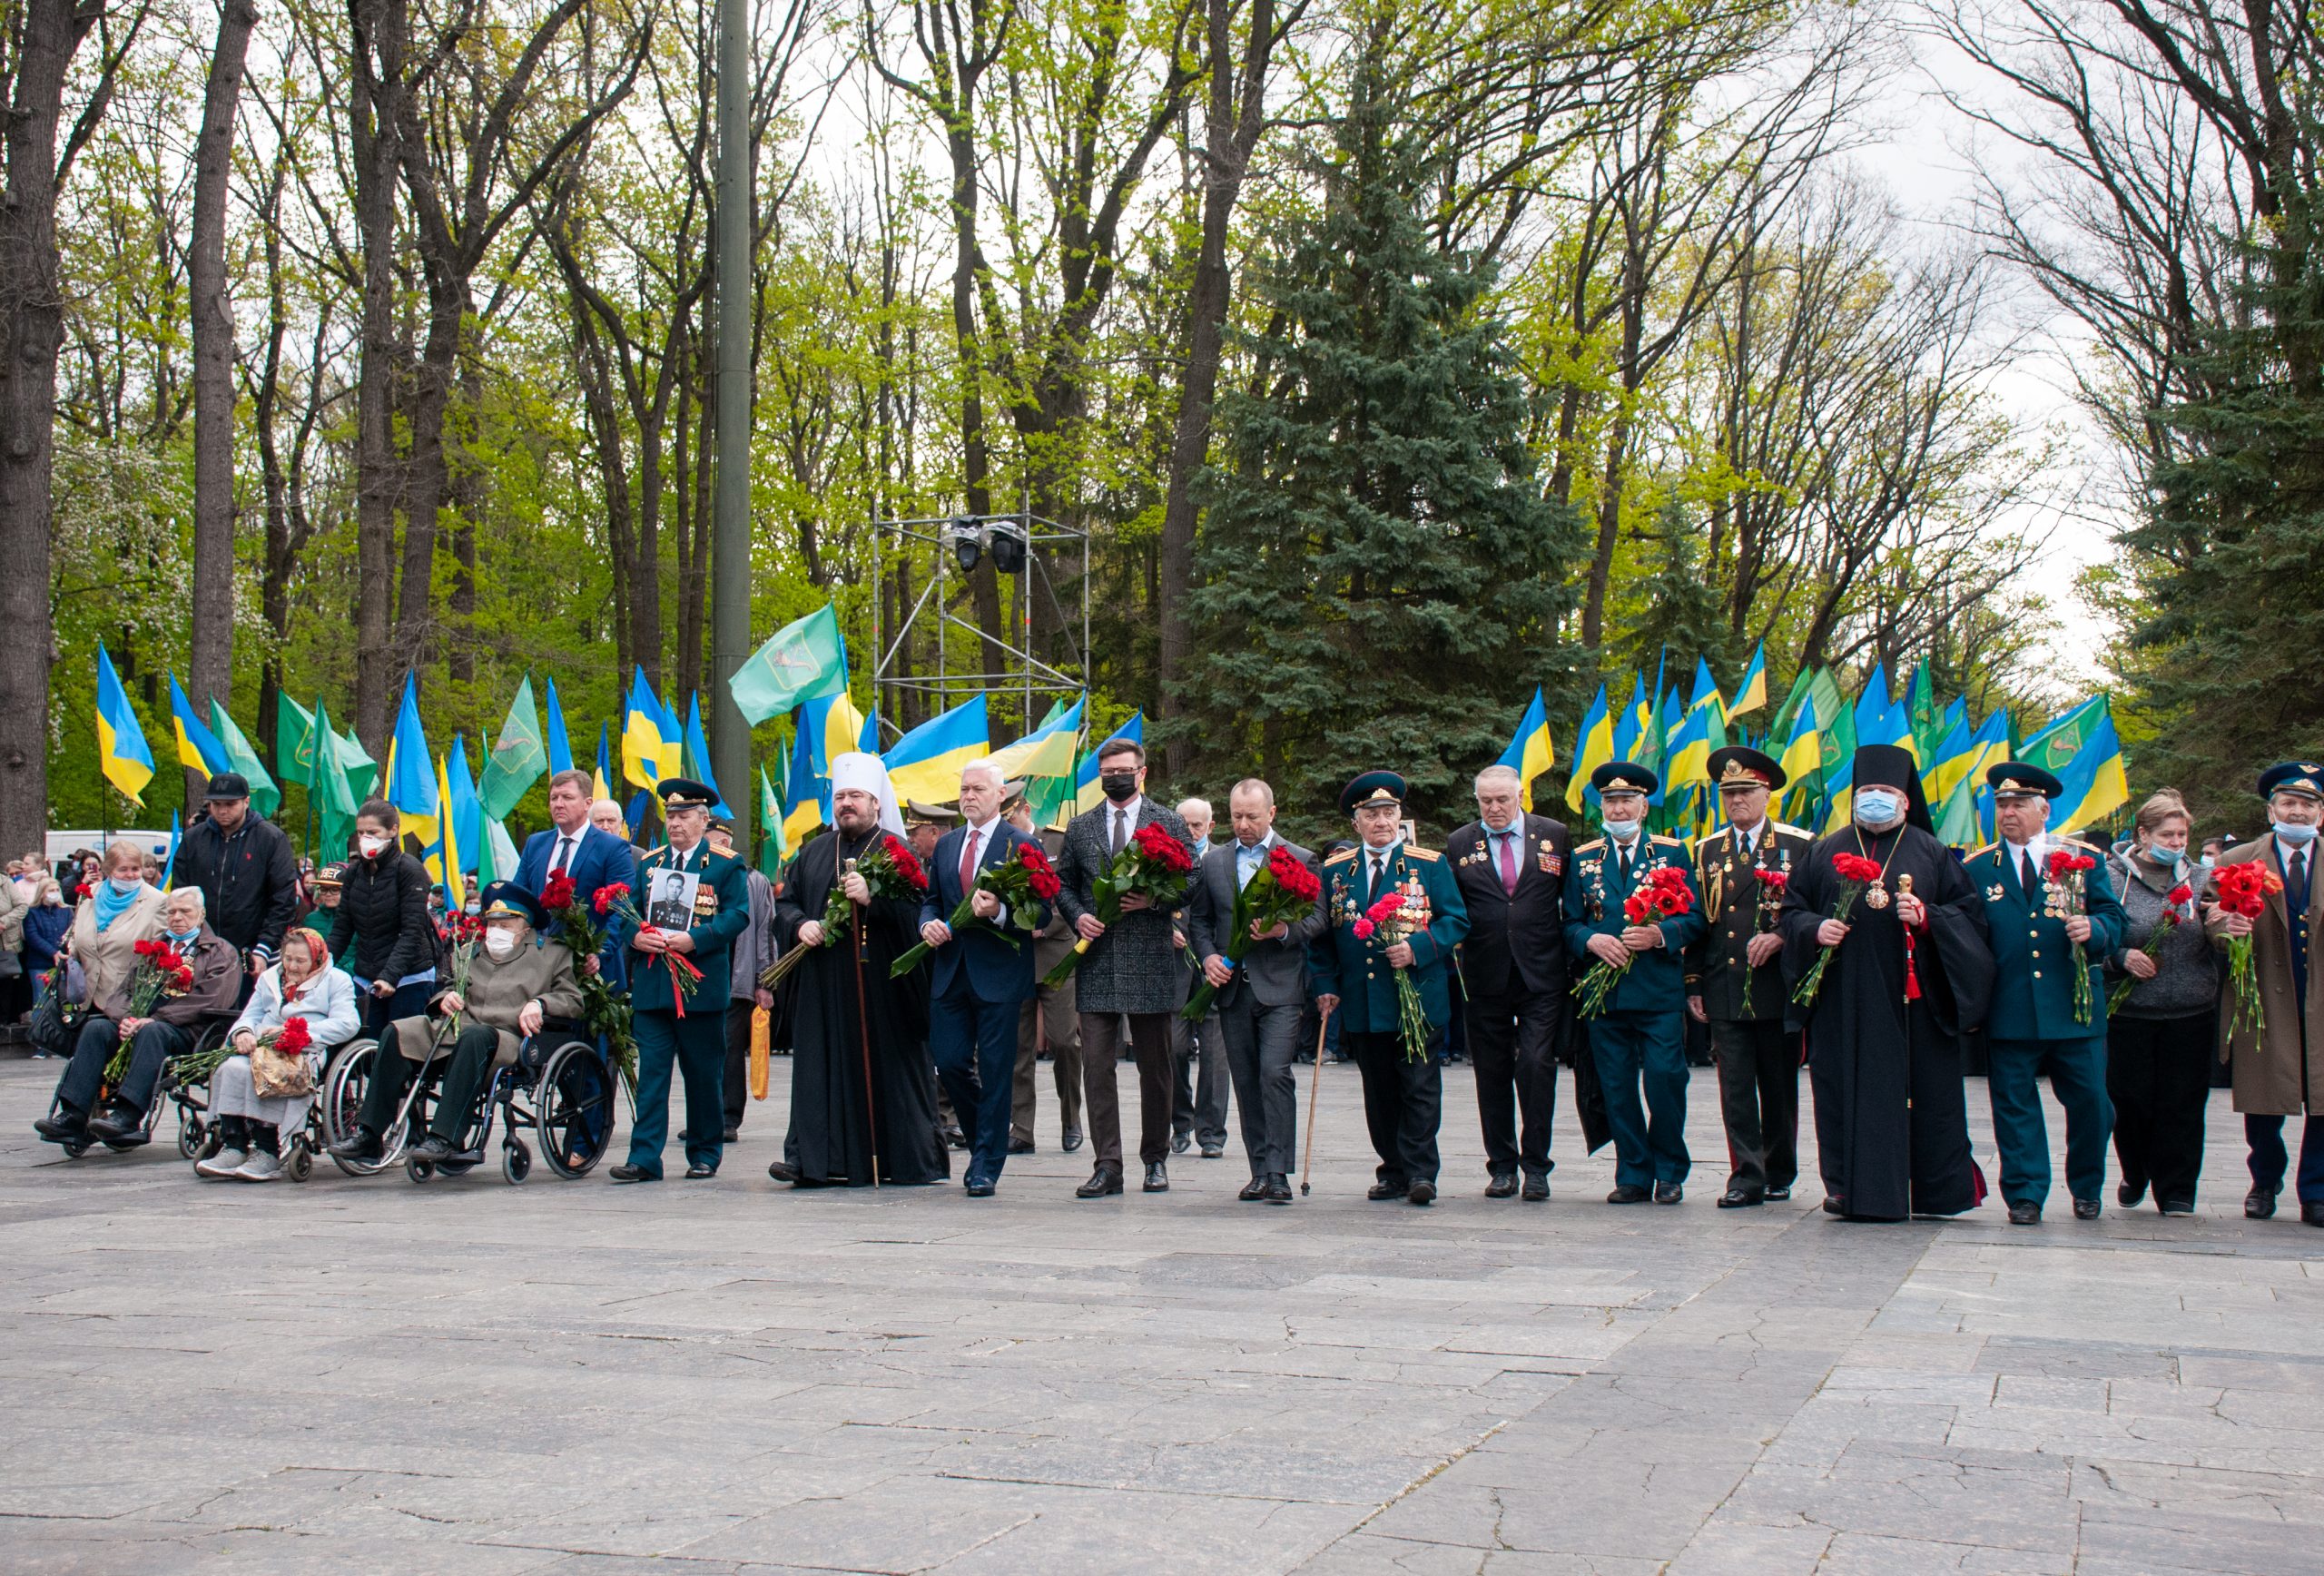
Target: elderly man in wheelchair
515	984
261	1094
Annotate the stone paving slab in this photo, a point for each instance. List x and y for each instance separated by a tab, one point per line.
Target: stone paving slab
713	1379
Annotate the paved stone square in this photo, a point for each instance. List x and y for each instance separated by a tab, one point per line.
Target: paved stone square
709	1378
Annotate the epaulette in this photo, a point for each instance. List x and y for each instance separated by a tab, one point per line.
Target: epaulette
1978	852
1706	839
1665	840
1593	843
1430	854
1795	830
1342	857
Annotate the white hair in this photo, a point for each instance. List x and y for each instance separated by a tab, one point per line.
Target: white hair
988	768
1200	807
191	894
1496	773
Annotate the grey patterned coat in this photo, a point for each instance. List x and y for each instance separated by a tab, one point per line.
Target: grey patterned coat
1133	967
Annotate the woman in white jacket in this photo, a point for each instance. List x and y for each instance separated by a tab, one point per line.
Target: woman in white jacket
249	1129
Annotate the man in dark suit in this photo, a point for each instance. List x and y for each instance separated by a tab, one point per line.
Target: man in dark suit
1197	1057
1046	1021
1734	975
573	847
1510	868
977	981
1260	997
1131	969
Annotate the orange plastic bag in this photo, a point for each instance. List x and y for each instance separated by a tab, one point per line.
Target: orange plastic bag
760	1052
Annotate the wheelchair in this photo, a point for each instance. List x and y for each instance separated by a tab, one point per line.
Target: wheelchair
561	1087
190	1103
199	1139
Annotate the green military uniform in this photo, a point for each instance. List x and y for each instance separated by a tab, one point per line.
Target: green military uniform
1641	1036
695	1042
2030	1026
1403	1096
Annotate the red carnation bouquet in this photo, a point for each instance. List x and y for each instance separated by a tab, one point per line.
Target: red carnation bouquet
1858	875
1773	884
580	927
1022	884
616	901
1152	864
2178	908
2069	875
1399	915
2244	889
1279	891
891	871
1664	896
161	971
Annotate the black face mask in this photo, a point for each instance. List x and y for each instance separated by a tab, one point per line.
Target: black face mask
1121	787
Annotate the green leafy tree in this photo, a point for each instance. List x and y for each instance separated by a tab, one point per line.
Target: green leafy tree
1381	573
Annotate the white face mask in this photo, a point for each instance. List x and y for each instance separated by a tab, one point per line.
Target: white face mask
500	943
1877	807
370	845
2296	836
1622	831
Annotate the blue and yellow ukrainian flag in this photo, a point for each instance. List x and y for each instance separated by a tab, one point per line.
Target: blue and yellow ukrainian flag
1803	758
197	747
1687	754
926	763
1752	693
1049	750
411	776
601	781
2094	783
805	793
652	746
559	743
122	754
1530	752
1593	747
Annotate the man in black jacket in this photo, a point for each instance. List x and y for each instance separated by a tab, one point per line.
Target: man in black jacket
1510	868
246	872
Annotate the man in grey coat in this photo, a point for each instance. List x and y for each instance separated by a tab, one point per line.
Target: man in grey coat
1131	969
1259	999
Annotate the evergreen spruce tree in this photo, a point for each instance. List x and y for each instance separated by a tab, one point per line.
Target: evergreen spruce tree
1380	576
1682	615
2232	548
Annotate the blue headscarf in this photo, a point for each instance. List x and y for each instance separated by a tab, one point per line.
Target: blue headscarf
111	904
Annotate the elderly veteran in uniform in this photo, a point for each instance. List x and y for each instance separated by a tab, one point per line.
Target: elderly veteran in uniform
1640	1037
1735	977
1404	1094
2039	944
2277	1069
513	986
680	1022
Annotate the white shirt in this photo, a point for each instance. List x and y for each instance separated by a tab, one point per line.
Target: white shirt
1751	838
567	849
1129	812
979	839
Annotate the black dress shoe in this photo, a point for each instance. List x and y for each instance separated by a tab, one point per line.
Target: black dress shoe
1834	1206
979	1189
783	1171
70	1128
701	1173
115	1126
1423	1193
1629	1193
2312	1214
1020	1145
1779	1195
628	1173
1740	1198
2127	1194
732	1134
1253	1190
431	1148
1278	1188
2260	1204
1158	1178
1503	1185
2175	1206
1072	1140
1105	1179
1214	1151
2025	1212
1669	1193
953	1140
1181	1143
1381	1191
362	1144
1537	1190
2085	1209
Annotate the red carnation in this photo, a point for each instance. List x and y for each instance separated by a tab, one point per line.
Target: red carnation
1378	914
609	894
81	893
556	892
293	1037
2064	862
1292	875
1854	867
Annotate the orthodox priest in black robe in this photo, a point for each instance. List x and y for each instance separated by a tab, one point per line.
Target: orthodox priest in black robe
1885	1029
858	1065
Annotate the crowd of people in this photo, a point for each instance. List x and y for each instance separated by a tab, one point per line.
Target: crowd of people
920	962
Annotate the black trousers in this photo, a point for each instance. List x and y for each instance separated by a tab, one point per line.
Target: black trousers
738	1057
1404	1104
391	1073
1758	1100
2159	1076
1512	1040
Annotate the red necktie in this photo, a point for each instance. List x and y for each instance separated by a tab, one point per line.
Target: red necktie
1509	865
968	860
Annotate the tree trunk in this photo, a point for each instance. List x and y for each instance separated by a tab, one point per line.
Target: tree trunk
382	40
209	659
428	479
32	316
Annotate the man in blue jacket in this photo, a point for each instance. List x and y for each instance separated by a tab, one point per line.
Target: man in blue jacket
1640	1037
592	857
977	981
2041	940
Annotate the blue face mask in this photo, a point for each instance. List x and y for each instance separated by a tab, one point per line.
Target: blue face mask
1877	807
2297	836
124	886
185	938
1622	831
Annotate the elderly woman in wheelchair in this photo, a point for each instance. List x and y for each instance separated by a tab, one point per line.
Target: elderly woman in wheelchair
250	1122
515	984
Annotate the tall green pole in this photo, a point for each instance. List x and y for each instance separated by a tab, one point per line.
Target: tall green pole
730	545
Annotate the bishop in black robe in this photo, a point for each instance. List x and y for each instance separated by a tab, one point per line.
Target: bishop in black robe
1884	1041
830	1140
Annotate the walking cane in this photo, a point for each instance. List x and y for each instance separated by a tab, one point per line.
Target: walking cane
863	1036
1314	1088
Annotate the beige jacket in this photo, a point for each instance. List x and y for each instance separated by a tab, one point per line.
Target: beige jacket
497	993
107	960
2268	1065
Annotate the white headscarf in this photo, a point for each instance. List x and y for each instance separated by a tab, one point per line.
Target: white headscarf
869	773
